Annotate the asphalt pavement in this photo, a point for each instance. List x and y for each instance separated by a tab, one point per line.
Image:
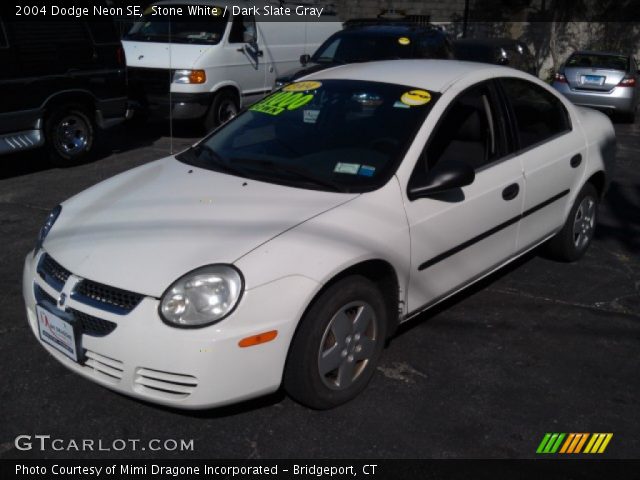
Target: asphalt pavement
539	347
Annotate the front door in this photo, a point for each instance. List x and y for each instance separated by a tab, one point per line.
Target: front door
461	234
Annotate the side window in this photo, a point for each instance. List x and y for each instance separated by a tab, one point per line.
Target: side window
243	30
468	131
539	115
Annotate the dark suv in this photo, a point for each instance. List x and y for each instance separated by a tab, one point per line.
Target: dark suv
363	41
60	81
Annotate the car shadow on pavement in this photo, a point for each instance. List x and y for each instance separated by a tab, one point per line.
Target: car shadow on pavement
622	222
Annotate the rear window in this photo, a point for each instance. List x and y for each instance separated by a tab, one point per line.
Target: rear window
363	48
610	62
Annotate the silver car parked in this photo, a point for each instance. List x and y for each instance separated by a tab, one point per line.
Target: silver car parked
606	81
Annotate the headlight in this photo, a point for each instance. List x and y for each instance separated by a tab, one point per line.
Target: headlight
202	297
189	76
46	228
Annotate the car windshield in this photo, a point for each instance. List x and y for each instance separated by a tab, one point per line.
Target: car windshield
176	29
609	62
363	48
334	135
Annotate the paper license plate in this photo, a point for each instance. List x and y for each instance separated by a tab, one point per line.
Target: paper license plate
58	333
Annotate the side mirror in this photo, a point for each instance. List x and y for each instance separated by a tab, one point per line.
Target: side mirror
443	178
304	59
248	37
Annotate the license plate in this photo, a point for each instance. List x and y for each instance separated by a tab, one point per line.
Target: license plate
58	333
592	79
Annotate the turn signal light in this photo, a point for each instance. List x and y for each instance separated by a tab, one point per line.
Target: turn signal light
197	76
258	339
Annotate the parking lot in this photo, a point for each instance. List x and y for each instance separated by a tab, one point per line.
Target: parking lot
539	347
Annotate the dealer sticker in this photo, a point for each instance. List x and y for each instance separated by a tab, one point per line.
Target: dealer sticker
349	168
56	332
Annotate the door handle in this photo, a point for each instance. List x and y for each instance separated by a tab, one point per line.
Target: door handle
576	160
511	192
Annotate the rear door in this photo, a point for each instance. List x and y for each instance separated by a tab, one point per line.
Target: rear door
552	152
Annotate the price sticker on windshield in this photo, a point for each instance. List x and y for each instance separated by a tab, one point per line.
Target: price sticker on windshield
414	98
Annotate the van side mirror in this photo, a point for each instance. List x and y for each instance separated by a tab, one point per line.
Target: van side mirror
304	59
248	37
443	178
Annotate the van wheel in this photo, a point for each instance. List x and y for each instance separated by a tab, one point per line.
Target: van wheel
225	106
572	241
338	344
70	135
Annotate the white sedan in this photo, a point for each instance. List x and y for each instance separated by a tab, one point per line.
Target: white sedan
287	246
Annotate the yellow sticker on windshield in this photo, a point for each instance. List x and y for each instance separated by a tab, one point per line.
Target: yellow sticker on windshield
414	98
404	41
302	86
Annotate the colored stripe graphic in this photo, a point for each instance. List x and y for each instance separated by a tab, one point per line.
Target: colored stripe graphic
550	443
573	443
598	442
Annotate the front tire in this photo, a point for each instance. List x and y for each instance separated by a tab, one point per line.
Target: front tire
224	107
571	243
338	344
70	135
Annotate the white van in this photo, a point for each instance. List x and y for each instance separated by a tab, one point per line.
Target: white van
208	66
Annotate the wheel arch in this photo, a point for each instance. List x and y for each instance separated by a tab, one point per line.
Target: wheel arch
599	181
67	97
383	275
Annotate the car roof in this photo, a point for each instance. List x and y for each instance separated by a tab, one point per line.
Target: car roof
488	42
433	75
388	29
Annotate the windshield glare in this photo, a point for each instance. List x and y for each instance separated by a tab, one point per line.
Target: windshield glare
335	135
166	29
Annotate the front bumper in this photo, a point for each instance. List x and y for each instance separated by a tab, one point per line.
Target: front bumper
185	368
178	106
620	99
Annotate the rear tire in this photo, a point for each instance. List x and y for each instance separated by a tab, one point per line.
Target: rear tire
571	243
70	135
337	346
224	107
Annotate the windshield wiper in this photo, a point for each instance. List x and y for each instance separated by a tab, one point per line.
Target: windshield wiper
291	170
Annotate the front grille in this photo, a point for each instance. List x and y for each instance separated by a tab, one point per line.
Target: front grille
155	81
41	295
105	297
93	326
89	325
52	272
166	385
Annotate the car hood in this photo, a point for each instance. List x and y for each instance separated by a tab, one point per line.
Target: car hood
143	229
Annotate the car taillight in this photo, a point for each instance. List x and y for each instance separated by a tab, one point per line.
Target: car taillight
627	81
560	78
120	56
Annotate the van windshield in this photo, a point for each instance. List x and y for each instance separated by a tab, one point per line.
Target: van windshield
332	135
205	30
